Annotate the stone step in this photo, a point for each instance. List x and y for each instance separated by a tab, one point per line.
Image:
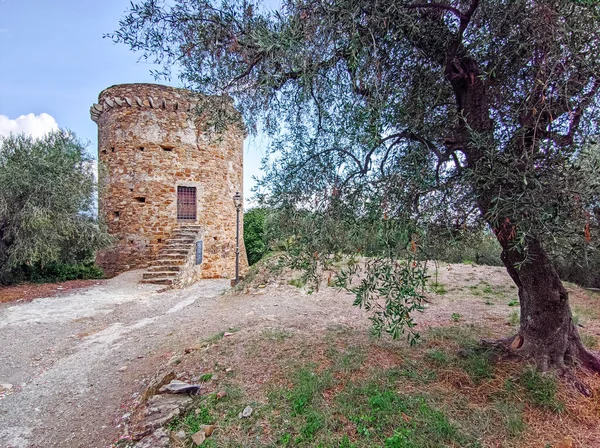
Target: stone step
168	264
188	235
178	251
181	240
164	267
158	281
179	256
159	274
182	247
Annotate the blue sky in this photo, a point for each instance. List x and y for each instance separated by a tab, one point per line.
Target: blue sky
55	62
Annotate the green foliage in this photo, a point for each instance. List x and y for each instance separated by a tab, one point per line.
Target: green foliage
47	225
470	245
55	272
254	234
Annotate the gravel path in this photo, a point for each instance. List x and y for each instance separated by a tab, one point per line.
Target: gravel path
73	359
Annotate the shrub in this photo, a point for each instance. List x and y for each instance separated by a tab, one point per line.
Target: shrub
47	209
254	234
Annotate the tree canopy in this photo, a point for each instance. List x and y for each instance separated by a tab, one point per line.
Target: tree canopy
413	110
47	203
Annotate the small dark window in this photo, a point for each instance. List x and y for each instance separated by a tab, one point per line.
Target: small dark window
116	214
112	149
140	199
141	148
186	203
104	151
159	240
167	147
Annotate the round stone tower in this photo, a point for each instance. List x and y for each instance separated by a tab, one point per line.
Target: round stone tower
170	162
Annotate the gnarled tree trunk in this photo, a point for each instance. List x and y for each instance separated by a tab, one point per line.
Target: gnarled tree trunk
547	332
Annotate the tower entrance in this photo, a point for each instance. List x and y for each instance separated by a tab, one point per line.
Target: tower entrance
186	203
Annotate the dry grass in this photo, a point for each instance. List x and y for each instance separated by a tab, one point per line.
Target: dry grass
492	401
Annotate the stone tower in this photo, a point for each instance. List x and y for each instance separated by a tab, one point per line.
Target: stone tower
167	181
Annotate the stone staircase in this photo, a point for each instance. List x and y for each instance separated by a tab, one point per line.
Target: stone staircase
173	256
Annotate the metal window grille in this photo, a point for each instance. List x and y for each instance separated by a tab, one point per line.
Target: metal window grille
186	203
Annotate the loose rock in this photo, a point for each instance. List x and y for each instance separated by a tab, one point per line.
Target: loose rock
221	394
208	429
199	437
158	439
156	383
247	412
180	387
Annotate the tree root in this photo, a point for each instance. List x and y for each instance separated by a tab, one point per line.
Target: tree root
514	347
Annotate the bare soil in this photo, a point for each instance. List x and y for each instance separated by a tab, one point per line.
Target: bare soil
26	292
80	361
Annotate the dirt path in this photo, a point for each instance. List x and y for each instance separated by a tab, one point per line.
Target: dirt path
75	359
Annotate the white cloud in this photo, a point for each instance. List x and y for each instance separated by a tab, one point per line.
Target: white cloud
30	124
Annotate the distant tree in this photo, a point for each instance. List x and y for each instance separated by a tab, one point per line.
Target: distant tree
254	234
47	203
415	109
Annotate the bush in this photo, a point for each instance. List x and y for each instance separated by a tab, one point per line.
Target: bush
47	209
56	272
254	234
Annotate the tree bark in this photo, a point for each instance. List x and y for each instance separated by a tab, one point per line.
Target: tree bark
547	332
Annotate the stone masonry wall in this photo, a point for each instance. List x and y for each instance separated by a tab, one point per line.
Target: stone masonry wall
151	139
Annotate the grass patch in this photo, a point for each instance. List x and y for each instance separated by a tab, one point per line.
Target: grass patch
589	341
276	334
353	399
514	318
541	389
383	417
297	282
438	288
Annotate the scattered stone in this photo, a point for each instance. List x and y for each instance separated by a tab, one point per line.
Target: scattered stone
122	369
160	409
221	394
247	412
228	370
180	387
158	439
208	429
156	383
227	334
199	438
178	437
5	387
262	286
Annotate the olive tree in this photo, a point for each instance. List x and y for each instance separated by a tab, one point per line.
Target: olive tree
417	109
47	203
